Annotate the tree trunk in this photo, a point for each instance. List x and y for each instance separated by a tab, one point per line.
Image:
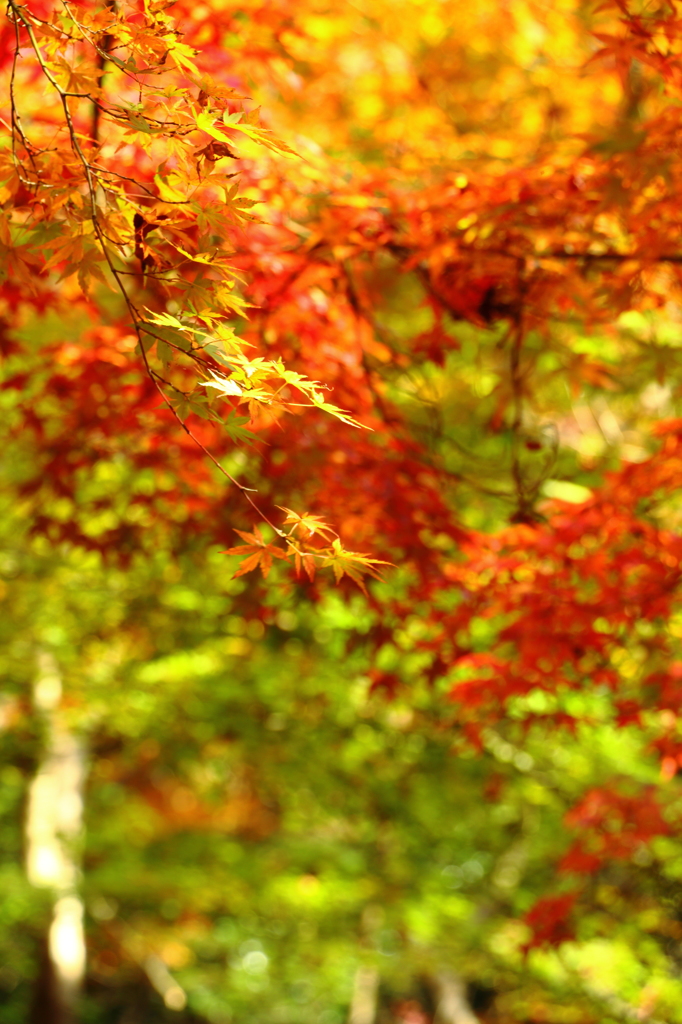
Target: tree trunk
53	828
363	1007
453	1005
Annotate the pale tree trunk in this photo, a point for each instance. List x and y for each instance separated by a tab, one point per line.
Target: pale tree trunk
165	984
54	823
363	1007
453	1005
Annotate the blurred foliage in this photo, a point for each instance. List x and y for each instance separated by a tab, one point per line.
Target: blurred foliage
263	824
274	797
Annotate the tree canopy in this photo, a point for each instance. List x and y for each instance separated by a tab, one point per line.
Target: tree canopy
341	535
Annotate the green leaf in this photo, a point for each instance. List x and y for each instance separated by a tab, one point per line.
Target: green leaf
235	426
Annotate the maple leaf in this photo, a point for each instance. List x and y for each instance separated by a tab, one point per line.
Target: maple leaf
308	523
304	560
352	564
236	428
319	403
257	553
225	386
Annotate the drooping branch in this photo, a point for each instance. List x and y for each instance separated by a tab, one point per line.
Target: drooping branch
118	221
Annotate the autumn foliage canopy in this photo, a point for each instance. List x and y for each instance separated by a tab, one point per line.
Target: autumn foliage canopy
384	310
